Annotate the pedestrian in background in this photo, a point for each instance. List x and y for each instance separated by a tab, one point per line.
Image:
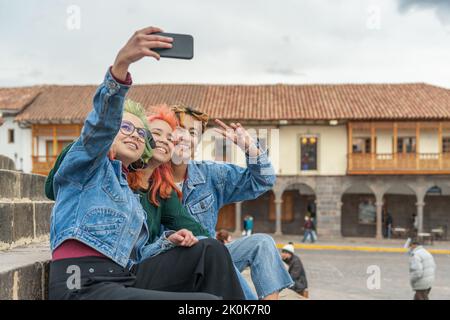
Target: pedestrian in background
387	223
309	227
248	225
296	270
422	270
223	236
414	225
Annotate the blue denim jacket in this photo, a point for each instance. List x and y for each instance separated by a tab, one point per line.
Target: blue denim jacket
211	185
94	203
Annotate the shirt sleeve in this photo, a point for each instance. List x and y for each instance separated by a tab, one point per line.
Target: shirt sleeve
239	184
98	133
162	244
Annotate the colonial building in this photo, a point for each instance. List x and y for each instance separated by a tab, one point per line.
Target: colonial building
345	153
16	140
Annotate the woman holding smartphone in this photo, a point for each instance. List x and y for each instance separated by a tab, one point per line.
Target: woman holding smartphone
99	231
98	227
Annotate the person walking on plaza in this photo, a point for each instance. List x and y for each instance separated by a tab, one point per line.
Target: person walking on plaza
309	227
387	223
414	225
422	270
296	270
248	225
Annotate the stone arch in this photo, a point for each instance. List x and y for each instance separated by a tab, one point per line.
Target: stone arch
358	209
433	210
399	202
282	186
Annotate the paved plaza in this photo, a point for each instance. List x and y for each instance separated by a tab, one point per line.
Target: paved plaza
344	275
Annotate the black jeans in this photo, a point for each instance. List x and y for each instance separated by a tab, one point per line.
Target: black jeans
205	267
94	278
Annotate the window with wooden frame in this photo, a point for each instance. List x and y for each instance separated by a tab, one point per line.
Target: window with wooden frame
11	137
61	145
446	145
362	145
308	153
406	145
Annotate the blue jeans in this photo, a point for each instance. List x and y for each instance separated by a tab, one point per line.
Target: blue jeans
260	253
248	292
308	234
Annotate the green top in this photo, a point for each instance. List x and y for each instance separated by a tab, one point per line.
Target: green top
170	212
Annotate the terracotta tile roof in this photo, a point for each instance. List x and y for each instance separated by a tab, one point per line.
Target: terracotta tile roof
261	102
15	99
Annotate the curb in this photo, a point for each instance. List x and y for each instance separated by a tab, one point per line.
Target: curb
358	248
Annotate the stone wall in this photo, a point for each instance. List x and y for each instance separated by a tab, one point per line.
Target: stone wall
24	210
25	282
24	232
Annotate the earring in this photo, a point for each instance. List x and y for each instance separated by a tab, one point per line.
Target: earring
138	165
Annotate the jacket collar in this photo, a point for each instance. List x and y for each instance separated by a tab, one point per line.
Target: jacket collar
194	177
118	169
413	251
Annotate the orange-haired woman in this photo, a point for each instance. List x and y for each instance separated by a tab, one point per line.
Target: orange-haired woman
201	267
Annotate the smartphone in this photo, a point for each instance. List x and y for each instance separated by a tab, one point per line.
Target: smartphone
182	46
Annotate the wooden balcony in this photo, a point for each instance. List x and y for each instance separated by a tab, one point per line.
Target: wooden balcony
53	138
400	163
413	147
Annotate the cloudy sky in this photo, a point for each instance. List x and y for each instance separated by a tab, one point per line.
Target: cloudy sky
236	41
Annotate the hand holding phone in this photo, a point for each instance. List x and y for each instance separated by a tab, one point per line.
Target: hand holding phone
141	44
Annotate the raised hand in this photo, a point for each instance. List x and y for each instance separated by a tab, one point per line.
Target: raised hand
236	133
139	46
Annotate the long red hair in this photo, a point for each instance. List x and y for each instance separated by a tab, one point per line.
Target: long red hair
161	180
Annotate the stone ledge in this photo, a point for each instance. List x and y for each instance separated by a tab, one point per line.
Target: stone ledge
24	273
23	221
18	185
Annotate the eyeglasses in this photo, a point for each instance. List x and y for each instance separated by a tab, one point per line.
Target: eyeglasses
127	128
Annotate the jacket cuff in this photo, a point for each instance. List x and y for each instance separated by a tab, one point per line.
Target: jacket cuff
115	87
262	158
128	81
166	244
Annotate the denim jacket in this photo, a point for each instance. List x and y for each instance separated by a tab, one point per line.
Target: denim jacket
211	185
94	203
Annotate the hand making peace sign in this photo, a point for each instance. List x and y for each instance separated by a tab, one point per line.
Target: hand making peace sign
237	133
